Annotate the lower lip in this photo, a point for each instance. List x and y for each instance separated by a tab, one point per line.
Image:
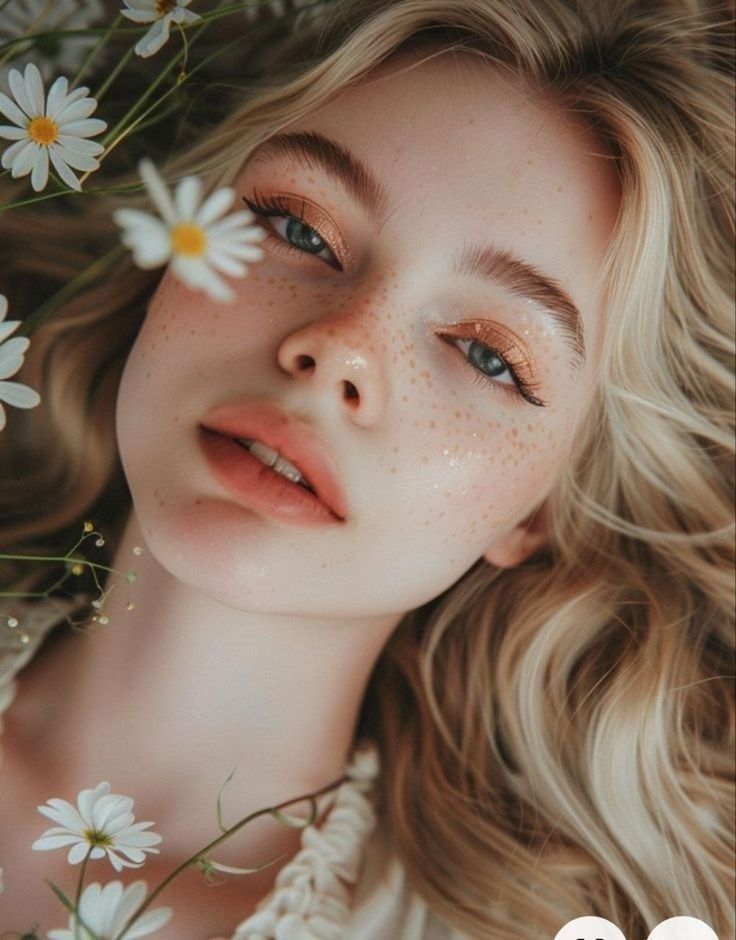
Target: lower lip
261	488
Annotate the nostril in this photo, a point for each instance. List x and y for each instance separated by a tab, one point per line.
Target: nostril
303	363
350	390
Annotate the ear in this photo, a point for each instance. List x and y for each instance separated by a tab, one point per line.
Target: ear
516	545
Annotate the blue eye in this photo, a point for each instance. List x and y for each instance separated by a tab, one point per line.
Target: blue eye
297	235
489	366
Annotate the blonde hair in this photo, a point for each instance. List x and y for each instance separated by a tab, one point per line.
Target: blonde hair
556	738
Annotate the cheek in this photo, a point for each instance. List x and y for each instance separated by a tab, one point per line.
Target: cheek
470	472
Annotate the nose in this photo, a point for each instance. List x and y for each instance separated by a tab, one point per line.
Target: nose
337	355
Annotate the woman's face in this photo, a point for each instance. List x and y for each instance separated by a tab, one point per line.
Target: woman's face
449	231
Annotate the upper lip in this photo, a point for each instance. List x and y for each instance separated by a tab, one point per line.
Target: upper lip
292	438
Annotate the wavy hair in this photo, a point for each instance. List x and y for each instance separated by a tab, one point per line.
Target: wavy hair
556	738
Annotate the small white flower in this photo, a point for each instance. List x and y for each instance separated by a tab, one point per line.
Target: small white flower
105	911
62	54
11	359
54	127
162	13
102	824
188	235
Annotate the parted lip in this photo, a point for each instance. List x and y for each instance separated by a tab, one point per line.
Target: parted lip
292	438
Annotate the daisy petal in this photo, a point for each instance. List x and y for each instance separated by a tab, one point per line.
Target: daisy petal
63	170
11	352
213	207
79	161
34	89
18	89
21	396
11	110
56	96
40	173
10	132
7	328
80	144
17	152
187	196
75	111
87	127
47	843
155	38
158	191
77	852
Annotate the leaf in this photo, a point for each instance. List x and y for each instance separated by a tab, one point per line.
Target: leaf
223	827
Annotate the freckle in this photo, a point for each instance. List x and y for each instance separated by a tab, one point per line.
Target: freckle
590	216
191	332
539	221
412	364
560	189
148	375
425	459
412	381
457	414
197	502
530	163
393	469
471	121
432	424
405	398
395	449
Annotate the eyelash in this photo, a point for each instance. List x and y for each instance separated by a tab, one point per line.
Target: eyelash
278	206
282	206
523	387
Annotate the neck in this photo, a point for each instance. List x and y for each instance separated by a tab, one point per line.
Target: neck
167	698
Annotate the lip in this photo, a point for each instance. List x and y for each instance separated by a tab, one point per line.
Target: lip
293	439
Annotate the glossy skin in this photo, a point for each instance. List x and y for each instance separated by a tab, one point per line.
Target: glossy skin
438	468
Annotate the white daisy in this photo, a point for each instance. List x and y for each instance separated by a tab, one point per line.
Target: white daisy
105	911
162	13
54	127
188	235
11	359
62	54
102	824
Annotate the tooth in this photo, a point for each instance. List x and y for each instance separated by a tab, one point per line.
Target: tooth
264	453
273	459
283	466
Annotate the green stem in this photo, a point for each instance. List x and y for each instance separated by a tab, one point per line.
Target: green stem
78	561
95	49
212	845
114	74
78	896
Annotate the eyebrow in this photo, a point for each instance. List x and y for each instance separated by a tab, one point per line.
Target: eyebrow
313	150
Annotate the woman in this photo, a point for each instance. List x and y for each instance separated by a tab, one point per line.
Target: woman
490	320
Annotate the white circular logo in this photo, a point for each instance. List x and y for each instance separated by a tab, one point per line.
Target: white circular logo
683	928
592	928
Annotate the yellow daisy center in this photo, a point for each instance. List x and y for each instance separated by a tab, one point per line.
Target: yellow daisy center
94	837
43	130
188	239
164	6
